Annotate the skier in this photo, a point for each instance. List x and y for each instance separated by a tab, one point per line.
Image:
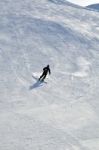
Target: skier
46	70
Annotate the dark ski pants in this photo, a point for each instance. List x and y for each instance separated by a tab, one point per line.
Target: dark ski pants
43	76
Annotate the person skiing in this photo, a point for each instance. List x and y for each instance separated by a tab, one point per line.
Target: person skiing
46	70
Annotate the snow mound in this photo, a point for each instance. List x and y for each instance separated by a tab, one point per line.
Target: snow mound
61	113
94	7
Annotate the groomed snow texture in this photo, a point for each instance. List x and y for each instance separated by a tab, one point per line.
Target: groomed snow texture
63	112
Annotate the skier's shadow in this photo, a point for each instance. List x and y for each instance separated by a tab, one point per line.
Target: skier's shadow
37	84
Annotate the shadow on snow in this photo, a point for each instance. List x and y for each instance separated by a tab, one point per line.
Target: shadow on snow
36	85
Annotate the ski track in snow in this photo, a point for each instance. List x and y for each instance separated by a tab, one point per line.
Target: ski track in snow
63	112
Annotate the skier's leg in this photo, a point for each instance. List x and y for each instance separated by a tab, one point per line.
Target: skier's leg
41	76
44	76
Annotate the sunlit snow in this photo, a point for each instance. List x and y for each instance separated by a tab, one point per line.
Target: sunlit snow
63	112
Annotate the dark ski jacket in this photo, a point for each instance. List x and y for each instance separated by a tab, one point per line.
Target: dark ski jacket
46	70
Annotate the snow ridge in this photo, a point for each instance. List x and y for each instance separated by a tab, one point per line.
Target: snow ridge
63	113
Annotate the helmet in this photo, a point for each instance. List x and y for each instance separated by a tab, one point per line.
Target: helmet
48	66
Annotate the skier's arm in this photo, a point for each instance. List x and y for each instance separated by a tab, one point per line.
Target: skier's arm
44	69
49	71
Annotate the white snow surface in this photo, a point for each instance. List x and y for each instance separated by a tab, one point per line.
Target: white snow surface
62	114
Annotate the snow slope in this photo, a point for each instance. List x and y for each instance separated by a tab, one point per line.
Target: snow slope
64	113
93	7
